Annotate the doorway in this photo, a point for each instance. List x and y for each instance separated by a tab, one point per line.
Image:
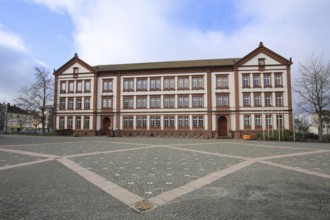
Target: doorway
222	126
107	126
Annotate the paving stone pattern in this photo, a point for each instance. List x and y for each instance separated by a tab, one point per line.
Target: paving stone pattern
103	178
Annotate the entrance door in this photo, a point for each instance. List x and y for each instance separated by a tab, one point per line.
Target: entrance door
222	126
106	126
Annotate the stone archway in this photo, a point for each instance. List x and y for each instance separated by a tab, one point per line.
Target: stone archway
107	127
222	126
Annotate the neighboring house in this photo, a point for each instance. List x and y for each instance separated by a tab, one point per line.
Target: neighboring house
14	119
200	98
49	121
313	128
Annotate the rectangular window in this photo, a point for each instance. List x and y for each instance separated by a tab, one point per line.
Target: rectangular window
169	102
128	102
154	102
107	85
168	121
198	82
267	80
222	101
79	87
61	125
278	80
279	121
169	84
70	103
268	120
154	121
69	122
183	121
78	122
87	104
279	100
246	120
106	102
141	121
86	122
78	103
128	121
141	84
222	82
63	87
141	102
197	101
256	80
87	86
246	99
128	85
62	103
198	121
257	100
183	83
71	86
183	101
257	120
268	100
246	80
154	84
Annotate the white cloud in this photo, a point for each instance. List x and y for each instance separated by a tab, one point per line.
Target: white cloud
11	40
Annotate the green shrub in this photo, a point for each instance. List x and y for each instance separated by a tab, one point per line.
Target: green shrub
64	132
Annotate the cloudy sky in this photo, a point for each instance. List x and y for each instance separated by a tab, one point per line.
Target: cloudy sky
49	32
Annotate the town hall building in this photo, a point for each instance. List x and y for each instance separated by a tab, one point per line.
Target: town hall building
213	98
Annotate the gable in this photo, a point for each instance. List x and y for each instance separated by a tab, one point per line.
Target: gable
67	68
81	68
268	60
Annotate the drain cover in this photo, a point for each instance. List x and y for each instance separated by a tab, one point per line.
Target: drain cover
143	206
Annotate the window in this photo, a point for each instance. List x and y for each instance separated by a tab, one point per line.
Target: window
87	86
183	102
154	84
154	121
246	120
78	122
197	82
106	102
257	100
128	121
78	103
87	104
141	121
222	100
268	100
141	85
246	80
257	120
154	102
246	99
128	85
169	102
141	102
168	121
128	102
107	85
278	80
75	70
79	87
267	80
268	120
63	87
222	82
279	121
86	122
69	122
256	80
278	99
70	103
62	103
183	83
198	121
183	121
71	86
261	63
61	123
197	101
169	84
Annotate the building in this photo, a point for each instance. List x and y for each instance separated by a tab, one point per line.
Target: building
14	119
201	98
314	125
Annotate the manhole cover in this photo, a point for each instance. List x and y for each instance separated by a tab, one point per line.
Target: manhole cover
143	206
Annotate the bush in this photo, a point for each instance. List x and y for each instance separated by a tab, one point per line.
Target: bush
64	132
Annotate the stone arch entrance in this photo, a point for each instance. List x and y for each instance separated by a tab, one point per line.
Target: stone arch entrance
222	126
107	127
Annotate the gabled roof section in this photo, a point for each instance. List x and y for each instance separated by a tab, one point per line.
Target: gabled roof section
268	52
74	60
168	65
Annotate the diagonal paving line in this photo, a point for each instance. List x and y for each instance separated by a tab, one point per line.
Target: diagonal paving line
24	164
297	169
29	153
107	186
292	155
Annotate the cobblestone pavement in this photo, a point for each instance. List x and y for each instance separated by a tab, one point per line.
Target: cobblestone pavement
106	178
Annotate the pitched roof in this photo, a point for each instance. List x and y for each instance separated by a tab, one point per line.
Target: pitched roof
168	65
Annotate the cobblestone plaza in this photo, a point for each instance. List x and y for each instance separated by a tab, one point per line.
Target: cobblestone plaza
106	178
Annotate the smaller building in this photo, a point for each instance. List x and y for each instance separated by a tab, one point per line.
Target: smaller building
313	122
14	119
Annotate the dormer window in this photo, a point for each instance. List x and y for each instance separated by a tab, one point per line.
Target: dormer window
75	72
261	63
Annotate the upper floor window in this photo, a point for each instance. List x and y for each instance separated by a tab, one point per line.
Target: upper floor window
106	102
154	101
128	121
267	80
154	84
78	103
71	86
169	102
246	80
183	102
87	103
141	102
62	103
168	121
222	100
183	121
246	99
141	84
257	120
128	85
107	85
268	99
279	100
63	87
198	121
87	86
222	82
141	121
169	84
257	100
261	63
183	83
268	120
79	86
70	103
128	102
278	80
154	121
256	80
198	82
197	101
75	70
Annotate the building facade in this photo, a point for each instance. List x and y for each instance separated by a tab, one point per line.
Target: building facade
202	98
14	119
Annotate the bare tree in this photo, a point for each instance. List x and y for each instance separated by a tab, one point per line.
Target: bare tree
313	89
38	95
